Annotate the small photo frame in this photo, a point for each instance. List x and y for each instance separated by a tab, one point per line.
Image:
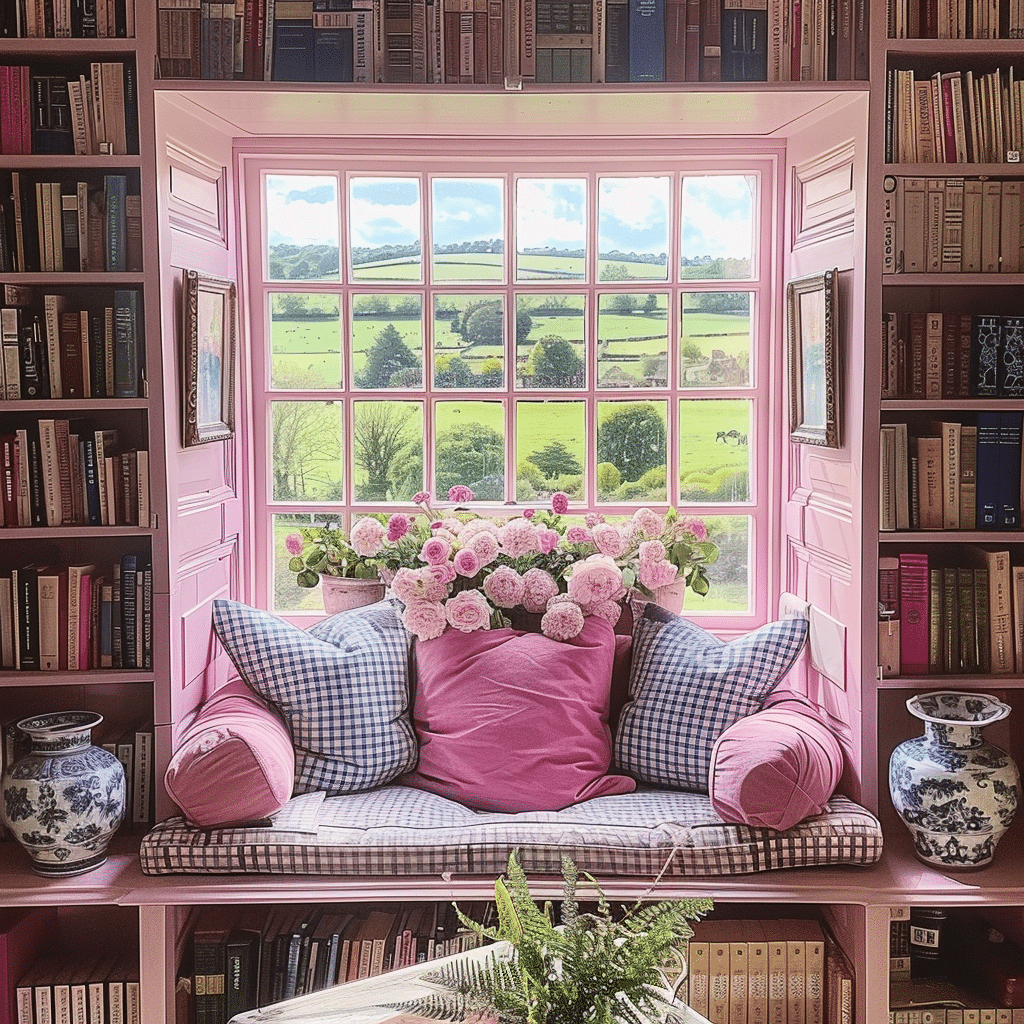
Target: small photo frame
813	314
207	358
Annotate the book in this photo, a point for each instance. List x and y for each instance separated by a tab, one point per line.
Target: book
143	778
646	40
1000	605
127	343
915	613
115	188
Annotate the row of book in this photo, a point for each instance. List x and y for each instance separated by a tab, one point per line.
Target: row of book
59	472
954	117
955	616
63	19
243	957
513	41
951	475
85	114
940	355
58	351
60	226
952	225
955	19
57	618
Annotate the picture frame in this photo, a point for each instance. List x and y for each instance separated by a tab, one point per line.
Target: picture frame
812	304
207	358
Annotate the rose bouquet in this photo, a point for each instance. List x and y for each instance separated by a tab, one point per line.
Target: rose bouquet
461	570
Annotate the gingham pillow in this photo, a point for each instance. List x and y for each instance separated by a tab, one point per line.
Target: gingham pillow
686	687
342	687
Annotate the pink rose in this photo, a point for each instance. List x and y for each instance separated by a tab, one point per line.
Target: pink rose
609	540
435	550
529	513
460	492
578	535
562	621
475	526
504	587
657	574
468	610
443	572
548	540
409	585
593	518
647	522
610	611
560	503
485	546
435	580
651	551
594	580
294	544
466	562
538	588
421	498
366	537
691	524
424	619
518	538
398	526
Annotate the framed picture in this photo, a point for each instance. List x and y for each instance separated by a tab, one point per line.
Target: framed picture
207	358
813	309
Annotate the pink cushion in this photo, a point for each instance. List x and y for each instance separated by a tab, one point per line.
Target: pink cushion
513	721
234	763
774	768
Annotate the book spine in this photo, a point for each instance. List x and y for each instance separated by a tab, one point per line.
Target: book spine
915	614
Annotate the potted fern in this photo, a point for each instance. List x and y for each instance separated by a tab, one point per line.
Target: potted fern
590	968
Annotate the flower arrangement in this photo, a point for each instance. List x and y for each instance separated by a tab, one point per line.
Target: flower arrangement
590	968
325	551
465	571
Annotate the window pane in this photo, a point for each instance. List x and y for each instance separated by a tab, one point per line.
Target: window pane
551	229
730	573
287	595
470	448
716	339
306	461
714	450
633	229
632	340
468	218
469	341
384	229
387	449
387	341
551	445
305	341
302	227
718	227
550	341
631	451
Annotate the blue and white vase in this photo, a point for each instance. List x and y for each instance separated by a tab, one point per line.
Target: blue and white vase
956	792
64	799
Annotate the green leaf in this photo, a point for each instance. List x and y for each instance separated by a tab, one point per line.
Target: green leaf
307	578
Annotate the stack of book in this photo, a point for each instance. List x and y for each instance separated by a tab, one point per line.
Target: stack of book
62	19
952	225
57	618
513	41
962	616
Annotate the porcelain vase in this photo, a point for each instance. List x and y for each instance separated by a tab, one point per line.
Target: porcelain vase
341	594
64	799
956	792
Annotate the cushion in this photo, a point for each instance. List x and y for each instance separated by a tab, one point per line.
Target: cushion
687	686
341	686
514	721
234	763
774	767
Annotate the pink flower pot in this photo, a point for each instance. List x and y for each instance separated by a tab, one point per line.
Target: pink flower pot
341	594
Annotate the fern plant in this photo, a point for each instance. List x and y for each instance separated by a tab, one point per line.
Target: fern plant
590	968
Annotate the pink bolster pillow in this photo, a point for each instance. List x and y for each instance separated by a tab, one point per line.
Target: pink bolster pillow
774	768
235	763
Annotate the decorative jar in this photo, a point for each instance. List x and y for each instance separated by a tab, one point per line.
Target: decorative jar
956	792
342	593
65	798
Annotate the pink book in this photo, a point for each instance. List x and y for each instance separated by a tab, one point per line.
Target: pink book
915	621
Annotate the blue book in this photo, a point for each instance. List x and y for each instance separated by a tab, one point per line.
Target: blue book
293	50
616	54
333	54
989	494
647	40
126	343
1010	424
94	510
115	188
129	611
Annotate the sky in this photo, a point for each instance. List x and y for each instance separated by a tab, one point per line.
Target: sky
633	212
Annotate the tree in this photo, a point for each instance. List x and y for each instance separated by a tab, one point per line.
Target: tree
624	303
388	355
291	304
381	441
722	302
467	454
452	371
615	272
554	363
556	460
524	324
484	324
306	446
651	303
632	438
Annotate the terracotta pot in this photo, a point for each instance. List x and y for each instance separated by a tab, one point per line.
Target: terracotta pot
342	594
672	596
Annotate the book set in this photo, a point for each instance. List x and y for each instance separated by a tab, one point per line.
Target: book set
60	618
95	112
964	19
959	615
509	43
67	19
954	117
952	355
952	225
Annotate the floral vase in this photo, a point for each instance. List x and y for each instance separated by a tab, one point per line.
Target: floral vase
343	593
956	792
64	799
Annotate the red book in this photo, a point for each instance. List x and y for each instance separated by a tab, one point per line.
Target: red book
948	128
710	41
72	357
675	40
914	614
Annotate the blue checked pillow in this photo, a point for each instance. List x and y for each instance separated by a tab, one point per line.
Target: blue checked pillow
686	687
342	687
